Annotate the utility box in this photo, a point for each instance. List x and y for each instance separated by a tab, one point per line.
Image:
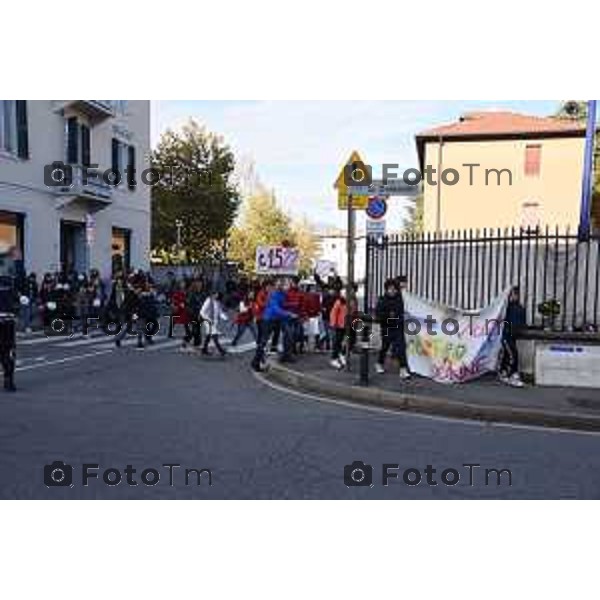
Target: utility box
567	364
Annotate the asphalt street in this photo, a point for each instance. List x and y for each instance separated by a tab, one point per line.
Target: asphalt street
82	401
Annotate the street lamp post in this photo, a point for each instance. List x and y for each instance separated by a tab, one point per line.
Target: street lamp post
178	225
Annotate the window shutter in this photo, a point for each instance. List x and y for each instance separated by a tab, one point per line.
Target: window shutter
115	159
85	146
131	167
72	145
533	157
22	129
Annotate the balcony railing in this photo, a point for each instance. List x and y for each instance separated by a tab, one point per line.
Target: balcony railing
77	185
96	110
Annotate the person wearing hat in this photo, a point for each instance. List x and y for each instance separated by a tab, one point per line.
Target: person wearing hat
390	315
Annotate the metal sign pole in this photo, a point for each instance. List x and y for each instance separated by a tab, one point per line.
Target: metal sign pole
350	279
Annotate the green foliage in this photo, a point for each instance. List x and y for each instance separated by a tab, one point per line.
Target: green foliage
265	223
196	187
305	239
573	109
578	111
413	222
549	308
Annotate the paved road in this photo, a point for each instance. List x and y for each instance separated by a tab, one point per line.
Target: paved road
82	401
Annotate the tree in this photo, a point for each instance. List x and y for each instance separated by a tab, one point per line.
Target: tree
413	222
305	239
196	187
573	109
264	223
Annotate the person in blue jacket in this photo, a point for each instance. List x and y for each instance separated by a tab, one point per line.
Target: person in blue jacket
275	314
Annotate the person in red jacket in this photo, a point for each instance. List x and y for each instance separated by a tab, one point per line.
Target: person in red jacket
180	314
258	308
245	319
294	301
337	322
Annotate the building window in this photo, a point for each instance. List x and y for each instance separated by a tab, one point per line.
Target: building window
8	126
120	248
11	230
14	137
123	162
530	217
120	107
78	141
533	157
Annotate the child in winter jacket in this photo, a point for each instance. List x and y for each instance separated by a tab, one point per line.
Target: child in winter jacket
337	323
244	319
212	314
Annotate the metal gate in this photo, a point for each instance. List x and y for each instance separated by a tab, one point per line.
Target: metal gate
559	275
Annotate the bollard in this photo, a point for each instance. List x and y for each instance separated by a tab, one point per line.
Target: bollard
364	357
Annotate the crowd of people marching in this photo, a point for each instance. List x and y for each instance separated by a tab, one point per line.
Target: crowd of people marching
283	316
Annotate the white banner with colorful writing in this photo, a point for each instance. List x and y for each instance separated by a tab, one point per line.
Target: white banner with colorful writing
277	260
450	345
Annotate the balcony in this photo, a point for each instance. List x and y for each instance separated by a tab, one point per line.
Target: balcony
96	111
94	192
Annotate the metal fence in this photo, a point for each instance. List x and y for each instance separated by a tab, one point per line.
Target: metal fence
559	275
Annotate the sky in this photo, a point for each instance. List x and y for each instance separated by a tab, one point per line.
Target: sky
299	147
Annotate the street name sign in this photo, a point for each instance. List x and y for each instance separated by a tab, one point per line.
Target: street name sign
393	187
375	228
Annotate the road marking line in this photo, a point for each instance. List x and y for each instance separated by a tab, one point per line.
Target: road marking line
49	363
22	361
163	345
39	340
130	342
59	339
81	342
241	348
405	413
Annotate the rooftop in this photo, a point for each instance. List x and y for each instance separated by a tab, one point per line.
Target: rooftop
501	123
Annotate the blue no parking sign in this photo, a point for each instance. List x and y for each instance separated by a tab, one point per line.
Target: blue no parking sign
377	207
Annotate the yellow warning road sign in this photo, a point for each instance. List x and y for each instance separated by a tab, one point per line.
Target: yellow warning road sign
360	196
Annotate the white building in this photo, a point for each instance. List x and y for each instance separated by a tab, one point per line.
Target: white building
48	222
333	247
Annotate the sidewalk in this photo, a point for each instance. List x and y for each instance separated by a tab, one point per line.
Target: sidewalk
484	399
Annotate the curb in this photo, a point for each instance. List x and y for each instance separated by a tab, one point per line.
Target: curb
430	405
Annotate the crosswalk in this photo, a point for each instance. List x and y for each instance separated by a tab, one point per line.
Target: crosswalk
98	340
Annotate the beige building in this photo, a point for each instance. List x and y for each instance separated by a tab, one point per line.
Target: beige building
71	222
525	172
